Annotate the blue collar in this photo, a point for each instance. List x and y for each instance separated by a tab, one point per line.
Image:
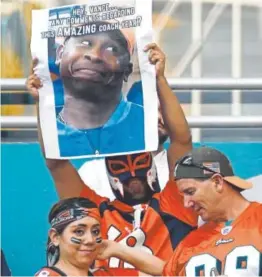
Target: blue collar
120	113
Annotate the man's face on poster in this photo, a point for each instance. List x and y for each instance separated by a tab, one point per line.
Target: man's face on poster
101	58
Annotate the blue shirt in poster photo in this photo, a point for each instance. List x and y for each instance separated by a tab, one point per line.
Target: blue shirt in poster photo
123	132
86	69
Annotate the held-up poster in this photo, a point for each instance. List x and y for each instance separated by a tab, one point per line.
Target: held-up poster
90	58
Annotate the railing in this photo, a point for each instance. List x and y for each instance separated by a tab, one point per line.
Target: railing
176	84
26	122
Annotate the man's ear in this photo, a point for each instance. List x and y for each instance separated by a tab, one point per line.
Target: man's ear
54	236
59	53
128	71
218	182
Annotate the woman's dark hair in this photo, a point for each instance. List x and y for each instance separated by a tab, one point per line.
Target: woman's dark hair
69	203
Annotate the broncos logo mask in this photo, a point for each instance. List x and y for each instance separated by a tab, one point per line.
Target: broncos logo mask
120	169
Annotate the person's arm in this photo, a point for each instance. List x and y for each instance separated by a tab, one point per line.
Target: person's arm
66	178
173	115
171	201
171	267
140	259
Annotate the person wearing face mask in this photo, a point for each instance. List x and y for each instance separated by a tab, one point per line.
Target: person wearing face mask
94	172
230	242
140	213
94	115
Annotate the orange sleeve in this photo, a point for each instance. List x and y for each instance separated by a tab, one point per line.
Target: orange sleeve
172	202
171	268
92	196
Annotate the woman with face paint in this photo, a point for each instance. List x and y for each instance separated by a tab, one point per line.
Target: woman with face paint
75	242
74	238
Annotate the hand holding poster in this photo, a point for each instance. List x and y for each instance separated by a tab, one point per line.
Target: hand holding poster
87	58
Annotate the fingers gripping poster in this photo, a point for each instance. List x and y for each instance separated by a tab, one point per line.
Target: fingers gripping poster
90	57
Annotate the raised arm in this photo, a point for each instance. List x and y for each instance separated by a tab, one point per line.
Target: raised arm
140	259
66	178
173	115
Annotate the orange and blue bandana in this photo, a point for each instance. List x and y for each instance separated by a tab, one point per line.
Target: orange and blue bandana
66	217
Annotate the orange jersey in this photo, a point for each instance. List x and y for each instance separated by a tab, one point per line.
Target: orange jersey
54	271
234	250
158	229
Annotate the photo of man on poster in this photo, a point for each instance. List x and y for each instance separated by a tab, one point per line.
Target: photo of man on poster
95	115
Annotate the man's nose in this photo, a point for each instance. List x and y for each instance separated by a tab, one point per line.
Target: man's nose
94	55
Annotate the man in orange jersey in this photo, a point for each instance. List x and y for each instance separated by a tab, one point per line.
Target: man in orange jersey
141	216
231	242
